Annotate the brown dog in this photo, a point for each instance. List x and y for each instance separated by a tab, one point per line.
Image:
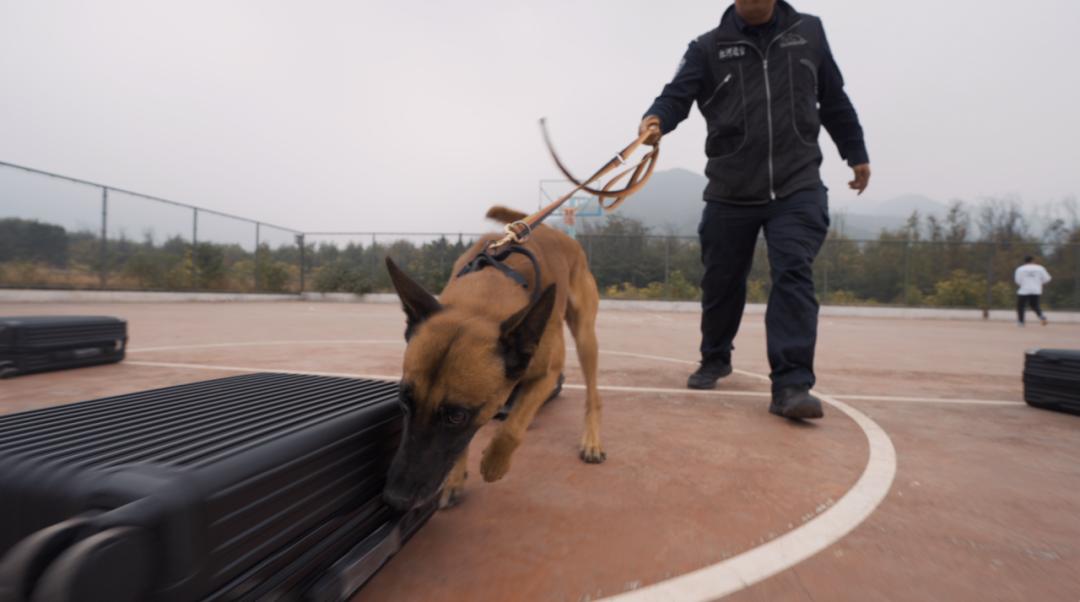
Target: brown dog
480	342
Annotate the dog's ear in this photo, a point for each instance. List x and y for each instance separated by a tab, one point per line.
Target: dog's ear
520	333
417	302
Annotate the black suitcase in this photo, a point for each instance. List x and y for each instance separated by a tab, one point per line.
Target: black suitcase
1052	379
39	343
255	487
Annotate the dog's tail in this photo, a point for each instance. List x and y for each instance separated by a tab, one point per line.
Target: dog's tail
505	215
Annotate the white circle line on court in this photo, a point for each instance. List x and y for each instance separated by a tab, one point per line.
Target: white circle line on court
575	386
218	368
845	397
759	563
764	561
264	344
974	402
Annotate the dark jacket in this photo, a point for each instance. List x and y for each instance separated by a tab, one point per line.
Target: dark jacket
765	92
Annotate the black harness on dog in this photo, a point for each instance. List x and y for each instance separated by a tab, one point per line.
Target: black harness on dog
497	261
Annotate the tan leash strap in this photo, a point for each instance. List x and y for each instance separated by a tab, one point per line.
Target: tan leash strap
520	230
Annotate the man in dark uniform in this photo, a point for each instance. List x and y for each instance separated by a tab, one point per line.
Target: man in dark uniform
765	81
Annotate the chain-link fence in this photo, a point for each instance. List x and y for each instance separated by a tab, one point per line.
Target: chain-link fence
847	272
58	232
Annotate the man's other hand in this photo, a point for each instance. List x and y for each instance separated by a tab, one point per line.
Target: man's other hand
650	123
862	176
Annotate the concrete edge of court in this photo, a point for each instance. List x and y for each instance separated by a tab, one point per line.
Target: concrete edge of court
858	311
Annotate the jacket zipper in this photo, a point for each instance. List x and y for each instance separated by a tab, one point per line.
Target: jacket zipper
717	90
768	112
768	99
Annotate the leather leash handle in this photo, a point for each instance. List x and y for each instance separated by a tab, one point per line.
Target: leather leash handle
519	231
618	160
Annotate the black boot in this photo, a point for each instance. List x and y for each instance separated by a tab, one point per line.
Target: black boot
708	373
795	402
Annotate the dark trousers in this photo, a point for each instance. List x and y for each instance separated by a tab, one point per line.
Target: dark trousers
1022	301
795	228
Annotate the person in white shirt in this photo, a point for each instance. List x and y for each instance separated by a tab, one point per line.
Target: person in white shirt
1030	277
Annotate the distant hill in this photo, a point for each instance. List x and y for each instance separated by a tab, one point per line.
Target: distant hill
672	203
859	226
865	219
900	206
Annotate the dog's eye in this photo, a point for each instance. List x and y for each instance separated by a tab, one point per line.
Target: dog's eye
455	416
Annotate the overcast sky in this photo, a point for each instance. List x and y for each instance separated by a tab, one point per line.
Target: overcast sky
417	115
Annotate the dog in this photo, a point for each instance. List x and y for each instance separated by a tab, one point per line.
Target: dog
483	341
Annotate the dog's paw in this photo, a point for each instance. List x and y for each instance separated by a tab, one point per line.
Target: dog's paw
494	465
454	488
592	455
591	450
451	496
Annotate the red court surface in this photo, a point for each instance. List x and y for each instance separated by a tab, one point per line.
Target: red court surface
929	479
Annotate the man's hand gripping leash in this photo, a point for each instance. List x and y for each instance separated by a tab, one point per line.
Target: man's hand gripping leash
640	172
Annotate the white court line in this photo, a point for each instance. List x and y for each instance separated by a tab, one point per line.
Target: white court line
766	394
675	360
217	368
758	563
265	343
576	386
763	378
645	356
717	392
255	369
661	358
980	402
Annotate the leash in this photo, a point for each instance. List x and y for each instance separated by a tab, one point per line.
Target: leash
519	231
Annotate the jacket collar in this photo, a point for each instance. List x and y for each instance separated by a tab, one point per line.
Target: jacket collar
732	26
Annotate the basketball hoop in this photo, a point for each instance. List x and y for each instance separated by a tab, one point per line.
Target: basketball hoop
583	206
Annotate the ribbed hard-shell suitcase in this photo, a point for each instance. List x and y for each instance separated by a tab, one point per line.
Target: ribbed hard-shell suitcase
40	343
1052	379
256	487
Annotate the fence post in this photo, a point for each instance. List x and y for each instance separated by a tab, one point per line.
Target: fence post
194	247
990	248
300	241
1076	276
257	233
104	236
667	268
374	263
907	269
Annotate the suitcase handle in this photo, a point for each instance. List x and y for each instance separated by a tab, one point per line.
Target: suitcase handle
358	566
23	565
112	565
70	562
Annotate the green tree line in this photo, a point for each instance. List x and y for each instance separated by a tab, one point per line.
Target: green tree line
964	258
